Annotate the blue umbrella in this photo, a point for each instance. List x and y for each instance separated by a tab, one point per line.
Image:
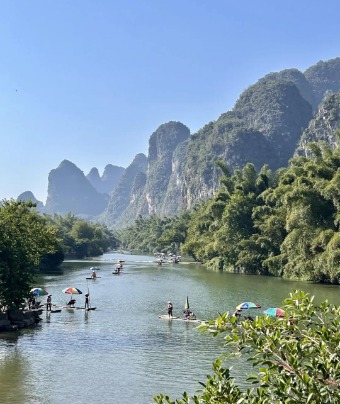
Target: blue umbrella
248	305
38	292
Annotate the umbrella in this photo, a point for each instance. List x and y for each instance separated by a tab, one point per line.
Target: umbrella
38	292
72	291
275	312
248	305
186	305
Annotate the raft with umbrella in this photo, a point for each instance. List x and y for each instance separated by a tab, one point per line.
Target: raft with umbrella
274	312
188	314
248	305
72	291
37	292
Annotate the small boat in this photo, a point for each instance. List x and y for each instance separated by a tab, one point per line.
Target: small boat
90	308
116	272
93	278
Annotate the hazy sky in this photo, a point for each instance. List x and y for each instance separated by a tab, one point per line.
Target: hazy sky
91	80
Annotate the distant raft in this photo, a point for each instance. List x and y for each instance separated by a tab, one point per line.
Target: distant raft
166	317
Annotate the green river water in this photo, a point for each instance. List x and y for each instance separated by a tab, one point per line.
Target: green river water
122	352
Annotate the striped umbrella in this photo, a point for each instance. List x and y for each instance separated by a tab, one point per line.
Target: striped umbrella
275	312
248	305
72	291
38	292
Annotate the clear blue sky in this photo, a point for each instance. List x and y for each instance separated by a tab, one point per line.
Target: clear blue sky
91	80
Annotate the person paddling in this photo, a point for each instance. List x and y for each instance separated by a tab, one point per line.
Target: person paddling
49	303
170	308
87	296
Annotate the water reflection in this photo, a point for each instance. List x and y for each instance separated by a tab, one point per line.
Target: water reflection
15	375
126	350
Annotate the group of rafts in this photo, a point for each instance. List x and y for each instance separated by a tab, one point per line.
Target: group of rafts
188	315
70	305
172	258
241	310
53	308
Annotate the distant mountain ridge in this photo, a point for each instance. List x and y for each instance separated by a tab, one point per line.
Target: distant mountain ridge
108	181
70	191
271	121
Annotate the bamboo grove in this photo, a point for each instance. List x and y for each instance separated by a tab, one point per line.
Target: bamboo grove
283	223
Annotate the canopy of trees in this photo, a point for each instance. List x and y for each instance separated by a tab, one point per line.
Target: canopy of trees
24	238
81	238
29	241
296	358
152	234
284	223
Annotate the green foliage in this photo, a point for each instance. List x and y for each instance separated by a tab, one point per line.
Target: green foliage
152	234
24	238
284	223
296	357
274	223
222	226
81	238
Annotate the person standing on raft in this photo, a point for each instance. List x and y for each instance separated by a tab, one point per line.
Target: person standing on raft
49	303
87	296
170	308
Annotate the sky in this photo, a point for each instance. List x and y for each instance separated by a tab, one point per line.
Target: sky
90	80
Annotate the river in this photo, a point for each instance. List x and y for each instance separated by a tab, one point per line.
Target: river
122	352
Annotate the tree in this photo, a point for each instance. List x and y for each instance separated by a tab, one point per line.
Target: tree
24	238
297	357
81	238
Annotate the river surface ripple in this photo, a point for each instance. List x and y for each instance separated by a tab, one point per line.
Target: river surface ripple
122	352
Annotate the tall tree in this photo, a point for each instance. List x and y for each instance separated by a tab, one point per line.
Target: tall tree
24	238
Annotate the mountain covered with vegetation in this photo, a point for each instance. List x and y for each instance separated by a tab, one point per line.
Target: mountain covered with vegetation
268	123
323	126
128	190
284	223
150	187
272	121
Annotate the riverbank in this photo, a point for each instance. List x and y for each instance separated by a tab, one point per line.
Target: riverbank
15	319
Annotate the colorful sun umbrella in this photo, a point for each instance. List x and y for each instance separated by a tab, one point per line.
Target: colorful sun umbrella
248	305
275	312
72	291
38	292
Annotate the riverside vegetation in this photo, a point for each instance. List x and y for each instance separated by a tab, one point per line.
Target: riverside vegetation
283	223
296	358
29	241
